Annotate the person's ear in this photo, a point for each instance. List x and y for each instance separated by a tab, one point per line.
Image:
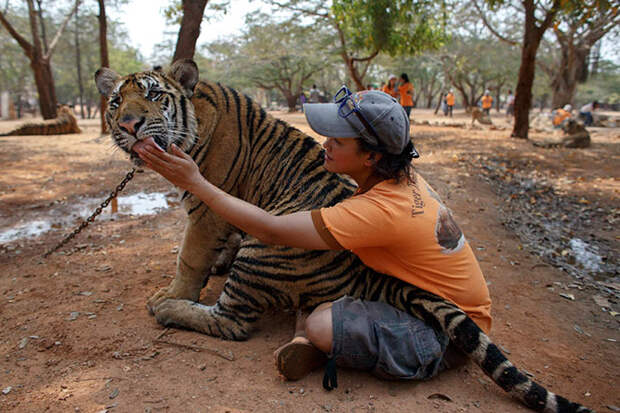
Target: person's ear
372	158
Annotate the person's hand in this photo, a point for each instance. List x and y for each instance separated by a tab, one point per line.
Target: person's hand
177	166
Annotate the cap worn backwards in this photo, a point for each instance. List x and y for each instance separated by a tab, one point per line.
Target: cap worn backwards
385	115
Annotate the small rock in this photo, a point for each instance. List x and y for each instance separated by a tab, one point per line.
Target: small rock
601	301
73	315
114	393
23	342
86	293
613	408
567	296
120	307
7	390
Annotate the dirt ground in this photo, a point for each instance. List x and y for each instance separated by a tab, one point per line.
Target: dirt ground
77	336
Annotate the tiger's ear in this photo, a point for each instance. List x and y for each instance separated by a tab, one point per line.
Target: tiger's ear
185	71
105	79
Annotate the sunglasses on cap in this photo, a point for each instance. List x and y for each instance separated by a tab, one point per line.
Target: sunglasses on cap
348	105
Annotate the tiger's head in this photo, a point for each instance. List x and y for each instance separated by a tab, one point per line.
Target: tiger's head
150	104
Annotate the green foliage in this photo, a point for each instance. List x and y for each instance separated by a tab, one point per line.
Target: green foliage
123	59
15	73
395	27
174	12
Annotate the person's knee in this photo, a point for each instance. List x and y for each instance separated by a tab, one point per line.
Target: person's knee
319	328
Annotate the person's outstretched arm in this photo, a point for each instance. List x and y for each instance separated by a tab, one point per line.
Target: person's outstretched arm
294	230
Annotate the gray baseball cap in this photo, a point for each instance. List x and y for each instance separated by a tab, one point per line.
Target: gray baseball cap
381	111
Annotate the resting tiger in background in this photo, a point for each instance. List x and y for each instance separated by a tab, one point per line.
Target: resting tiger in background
64	123
263	160
478	115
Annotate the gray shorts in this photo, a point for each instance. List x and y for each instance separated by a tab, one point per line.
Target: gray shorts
375	336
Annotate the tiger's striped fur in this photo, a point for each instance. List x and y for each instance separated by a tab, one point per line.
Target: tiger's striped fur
64	123
251	155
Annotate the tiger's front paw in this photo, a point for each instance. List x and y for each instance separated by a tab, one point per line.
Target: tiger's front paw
168	293
176	313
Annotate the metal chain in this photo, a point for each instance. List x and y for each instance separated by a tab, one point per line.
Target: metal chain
98	211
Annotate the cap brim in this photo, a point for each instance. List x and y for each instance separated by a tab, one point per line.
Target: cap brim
324	120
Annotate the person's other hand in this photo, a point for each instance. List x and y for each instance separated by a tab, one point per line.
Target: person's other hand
176	166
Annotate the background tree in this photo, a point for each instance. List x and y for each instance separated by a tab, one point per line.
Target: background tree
576	32
365	28
40	56
281	56
15	75
538	16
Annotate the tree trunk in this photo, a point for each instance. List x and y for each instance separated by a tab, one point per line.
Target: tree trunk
103	53
531	40
193	10
291	100
78	62
523	93
45	86
42	23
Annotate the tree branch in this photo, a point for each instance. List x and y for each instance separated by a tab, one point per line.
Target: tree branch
491	29
23	43
61	29
365	59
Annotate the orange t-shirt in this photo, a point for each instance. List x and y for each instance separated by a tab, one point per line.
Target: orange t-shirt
487	102
450	99
405	231
390	91
406	94
560	115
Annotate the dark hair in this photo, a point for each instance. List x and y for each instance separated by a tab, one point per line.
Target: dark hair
391	166
404	76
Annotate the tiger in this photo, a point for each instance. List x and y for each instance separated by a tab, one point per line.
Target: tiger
64	123
250	154
477	114
575	136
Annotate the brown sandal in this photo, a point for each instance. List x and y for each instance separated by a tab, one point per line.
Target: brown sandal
296	359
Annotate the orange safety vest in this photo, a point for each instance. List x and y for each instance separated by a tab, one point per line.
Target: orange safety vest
487	102
390	91
450	99
560	115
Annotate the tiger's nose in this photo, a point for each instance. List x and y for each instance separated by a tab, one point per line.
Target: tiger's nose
131	124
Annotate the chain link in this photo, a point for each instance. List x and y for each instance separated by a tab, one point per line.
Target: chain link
98	211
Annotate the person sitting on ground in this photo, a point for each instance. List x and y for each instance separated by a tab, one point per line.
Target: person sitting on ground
585	113
561	116
391	88
395	223
487	103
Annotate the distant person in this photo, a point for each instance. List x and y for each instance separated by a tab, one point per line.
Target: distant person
302	100
487	103
405	91
561	115
585	113
315	95
391	88
510	104
449	103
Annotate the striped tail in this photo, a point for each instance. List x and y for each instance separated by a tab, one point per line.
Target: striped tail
469	338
